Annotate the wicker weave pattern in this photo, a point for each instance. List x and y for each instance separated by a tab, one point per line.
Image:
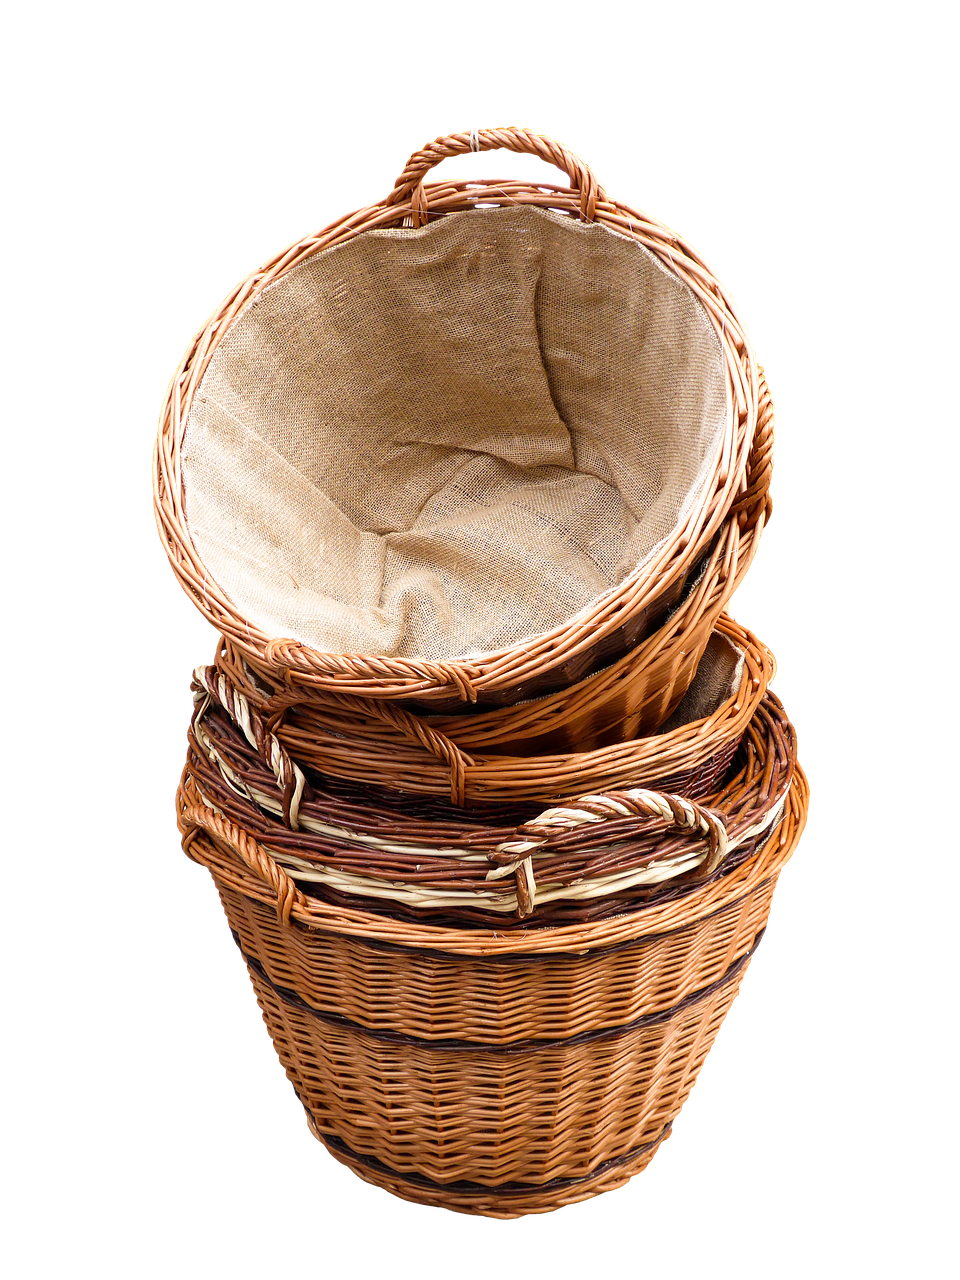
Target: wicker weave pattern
554	1112
233	855
497	878
543	996
366	740
511	1200
603	848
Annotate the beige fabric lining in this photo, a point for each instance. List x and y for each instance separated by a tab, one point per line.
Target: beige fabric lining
717	680
440	442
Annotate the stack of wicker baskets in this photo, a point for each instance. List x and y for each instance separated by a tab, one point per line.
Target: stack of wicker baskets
494	792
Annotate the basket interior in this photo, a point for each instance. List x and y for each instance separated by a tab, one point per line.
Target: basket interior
717	680
442	442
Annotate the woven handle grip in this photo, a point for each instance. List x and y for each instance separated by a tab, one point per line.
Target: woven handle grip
686	815
253	855
756	485
410	183
290	777
209	681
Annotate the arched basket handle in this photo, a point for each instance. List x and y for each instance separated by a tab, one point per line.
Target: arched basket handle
756	484
192	819
516	856
218	685
409	186
212	684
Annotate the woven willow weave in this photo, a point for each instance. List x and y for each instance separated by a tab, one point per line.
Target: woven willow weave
492	1074
494	794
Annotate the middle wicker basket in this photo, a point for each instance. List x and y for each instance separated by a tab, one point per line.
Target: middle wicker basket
506	755
400	847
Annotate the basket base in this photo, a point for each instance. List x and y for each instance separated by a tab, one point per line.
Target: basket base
511	1200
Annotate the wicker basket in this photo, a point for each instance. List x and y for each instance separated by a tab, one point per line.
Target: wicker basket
469	758
488	1073
511	559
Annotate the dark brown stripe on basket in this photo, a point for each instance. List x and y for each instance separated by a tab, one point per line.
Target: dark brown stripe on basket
515	1046
505	1189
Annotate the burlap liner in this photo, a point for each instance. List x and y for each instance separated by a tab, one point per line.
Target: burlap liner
444	441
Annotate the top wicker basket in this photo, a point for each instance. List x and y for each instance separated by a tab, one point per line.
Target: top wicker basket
463	443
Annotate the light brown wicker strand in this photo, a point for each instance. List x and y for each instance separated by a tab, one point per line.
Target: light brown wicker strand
756	488
253	856
289	775
409	186
685	814
421	732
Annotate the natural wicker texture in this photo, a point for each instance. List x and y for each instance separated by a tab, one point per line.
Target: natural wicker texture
618	618
490	1073
469	758
592	857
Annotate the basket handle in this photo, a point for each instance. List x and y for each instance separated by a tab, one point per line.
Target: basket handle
410	183
208	681
516	856
213	685
759	464
194	818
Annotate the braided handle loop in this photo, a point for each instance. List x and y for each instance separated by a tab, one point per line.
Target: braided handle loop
536	836
218	684
296	656
410	183
215	686
253	855
756	484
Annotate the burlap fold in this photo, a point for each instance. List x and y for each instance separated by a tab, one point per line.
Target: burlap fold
439	442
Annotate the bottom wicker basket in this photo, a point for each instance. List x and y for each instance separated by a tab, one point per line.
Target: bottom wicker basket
492	1073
